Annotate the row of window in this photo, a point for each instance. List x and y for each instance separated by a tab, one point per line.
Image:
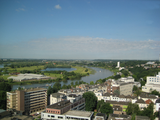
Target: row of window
154	80
53	111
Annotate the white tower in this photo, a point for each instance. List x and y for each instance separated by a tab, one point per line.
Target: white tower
118	64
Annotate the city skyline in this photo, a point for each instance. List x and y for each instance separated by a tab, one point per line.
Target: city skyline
67	29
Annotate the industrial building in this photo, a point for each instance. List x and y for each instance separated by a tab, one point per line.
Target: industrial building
27	76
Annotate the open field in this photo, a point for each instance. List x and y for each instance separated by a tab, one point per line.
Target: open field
81	70
26	68
53	75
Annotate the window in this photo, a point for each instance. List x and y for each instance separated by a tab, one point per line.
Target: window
60	117
52	115
48	115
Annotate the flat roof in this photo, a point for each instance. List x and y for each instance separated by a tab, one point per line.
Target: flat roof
28	90
60	104
79	113
34	89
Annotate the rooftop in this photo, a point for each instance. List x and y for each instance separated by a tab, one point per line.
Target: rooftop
60	104
57	95
79	113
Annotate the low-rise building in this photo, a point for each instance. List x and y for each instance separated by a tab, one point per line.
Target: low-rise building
28	76
100	116
153	83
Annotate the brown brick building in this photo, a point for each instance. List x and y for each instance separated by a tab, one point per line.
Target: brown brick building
28	100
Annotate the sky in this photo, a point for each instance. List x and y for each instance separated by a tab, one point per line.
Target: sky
80	29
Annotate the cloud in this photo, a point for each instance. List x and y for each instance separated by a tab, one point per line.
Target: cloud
85	44
57	6
86	47
20	9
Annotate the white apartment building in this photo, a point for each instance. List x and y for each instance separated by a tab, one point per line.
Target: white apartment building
153	83
56	97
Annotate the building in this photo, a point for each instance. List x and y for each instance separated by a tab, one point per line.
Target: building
118	64
56	97
69	115
153	83
158	104
126	88
100	116
119	117
28	76
28	100
11	100
66	109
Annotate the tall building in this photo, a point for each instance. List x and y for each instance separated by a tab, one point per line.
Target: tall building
28	100
118	64
11	100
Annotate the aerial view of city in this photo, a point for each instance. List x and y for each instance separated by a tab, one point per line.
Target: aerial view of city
80	60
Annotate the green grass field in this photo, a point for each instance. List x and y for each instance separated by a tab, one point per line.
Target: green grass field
81	70
53	75
26	68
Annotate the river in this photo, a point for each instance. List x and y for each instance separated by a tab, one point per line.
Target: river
100	74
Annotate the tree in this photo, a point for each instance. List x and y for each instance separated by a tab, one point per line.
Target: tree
154	92
106	108
10	80
135	88
90	100
132	109
5	86
117	92
99	104
57	86
91	83
138	92
148	111
86	70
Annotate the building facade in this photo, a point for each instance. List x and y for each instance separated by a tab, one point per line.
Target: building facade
153	83
28	100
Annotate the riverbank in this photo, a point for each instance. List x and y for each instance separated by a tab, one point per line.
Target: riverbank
82	71
99	74
114	70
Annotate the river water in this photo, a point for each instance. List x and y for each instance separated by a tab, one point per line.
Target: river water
100	74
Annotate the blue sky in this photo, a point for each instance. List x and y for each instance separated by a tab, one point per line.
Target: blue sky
80	29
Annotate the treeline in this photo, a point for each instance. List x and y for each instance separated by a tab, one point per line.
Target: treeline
36	71
140	72
56	66
25	64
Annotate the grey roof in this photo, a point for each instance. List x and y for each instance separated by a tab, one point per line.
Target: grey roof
142	118
158	100
119	115
146	95
115	102
57	95
117	108
140	101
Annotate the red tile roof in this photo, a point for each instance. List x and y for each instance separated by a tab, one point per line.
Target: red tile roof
148	101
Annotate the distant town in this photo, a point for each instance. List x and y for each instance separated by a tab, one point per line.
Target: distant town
41	89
